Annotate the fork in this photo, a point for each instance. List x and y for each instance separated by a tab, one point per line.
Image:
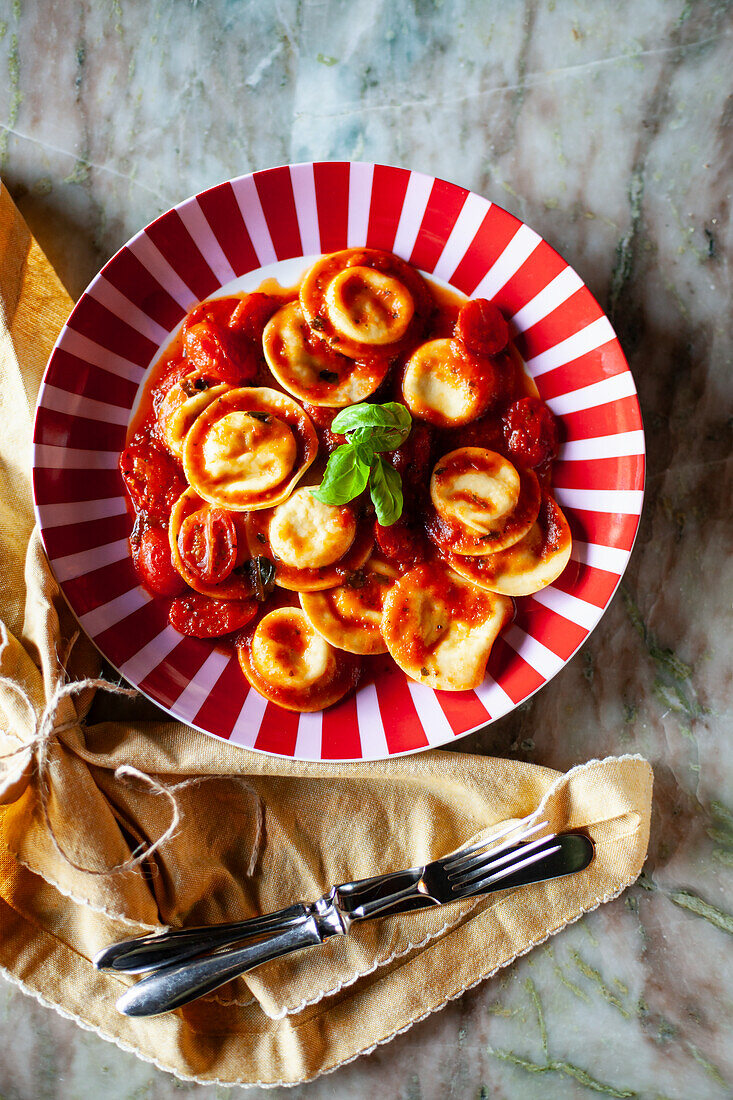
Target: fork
506	859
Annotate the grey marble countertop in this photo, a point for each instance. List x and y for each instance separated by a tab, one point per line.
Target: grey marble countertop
608	127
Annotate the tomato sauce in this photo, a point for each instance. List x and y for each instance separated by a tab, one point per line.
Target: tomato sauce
454	600
220	340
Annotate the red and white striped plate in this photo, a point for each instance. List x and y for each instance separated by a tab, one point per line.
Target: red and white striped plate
222	239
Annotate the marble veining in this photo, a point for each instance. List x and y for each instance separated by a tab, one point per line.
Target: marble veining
608	127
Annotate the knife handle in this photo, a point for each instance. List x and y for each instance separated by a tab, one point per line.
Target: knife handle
173	986
160	949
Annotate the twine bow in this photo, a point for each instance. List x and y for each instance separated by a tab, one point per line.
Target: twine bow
38	749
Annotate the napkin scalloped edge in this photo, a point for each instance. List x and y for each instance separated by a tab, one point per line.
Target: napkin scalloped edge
129	1048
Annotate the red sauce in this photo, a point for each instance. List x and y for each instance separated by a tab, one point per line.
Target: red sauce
455	600
403	543
322	417
221	340
371	594
287	634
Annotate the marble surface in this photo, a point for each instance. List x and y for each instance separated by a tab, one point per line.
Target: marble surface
608	127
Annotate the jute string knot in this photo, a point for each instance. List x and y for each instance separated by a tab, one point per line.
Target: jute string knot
38	748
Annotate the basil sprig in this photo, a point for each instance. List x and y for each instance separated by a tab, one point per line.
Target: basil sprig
369	430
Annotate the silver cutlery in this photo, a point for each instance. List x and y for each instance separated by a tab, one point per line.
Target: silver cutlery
184	964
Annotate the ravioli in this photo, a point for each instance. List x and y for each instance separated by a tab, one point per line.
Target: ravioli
362	300
312	545
446	388
350	616
307	533
182	404
365	326
249	448
289	663
309	369
530	564
482	502
439	628
235	587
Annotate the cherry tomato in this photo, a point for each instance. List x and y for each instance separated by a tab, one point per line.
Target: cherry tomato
216	351
403	542
155	565
201	616
174	372
481	327
531	431
208	544
218	310
152	478
252	313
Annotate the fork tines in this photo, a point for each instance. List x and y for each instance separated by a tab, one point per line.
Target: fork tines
476	867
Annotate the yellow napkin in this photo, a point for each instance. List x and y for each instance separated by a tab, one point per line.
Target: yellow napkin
255	833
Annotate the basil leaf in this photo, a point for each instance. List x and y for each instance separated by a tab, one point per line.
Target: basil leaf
379	439
385	487
262	576
390	415
345	476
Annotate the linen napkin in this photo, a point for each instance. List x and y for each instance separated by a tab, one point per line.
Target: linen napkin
241	833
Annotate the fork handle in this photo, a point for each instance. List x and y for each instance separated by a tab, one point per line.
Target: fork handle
144	953
177	985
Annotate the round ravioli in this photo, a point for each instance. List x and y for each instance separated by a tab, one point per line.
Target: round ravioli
306	533
530	564
236	586
288	662
363	301
439	628
312	545
182	404
482	502
446	388
249	448
309	369
350	616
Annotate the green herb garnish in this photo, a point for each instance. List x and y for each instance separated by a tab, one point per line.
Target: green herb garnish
262	575
369	430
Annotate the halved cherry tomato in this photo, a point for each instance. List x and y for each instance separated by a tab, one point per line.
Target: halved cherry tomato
208	544
152	478
481	327
216	351
531	431
155	565
252	313
203	617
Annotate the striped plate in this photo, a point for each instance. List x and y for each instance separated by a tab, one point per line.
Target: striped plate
223	239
